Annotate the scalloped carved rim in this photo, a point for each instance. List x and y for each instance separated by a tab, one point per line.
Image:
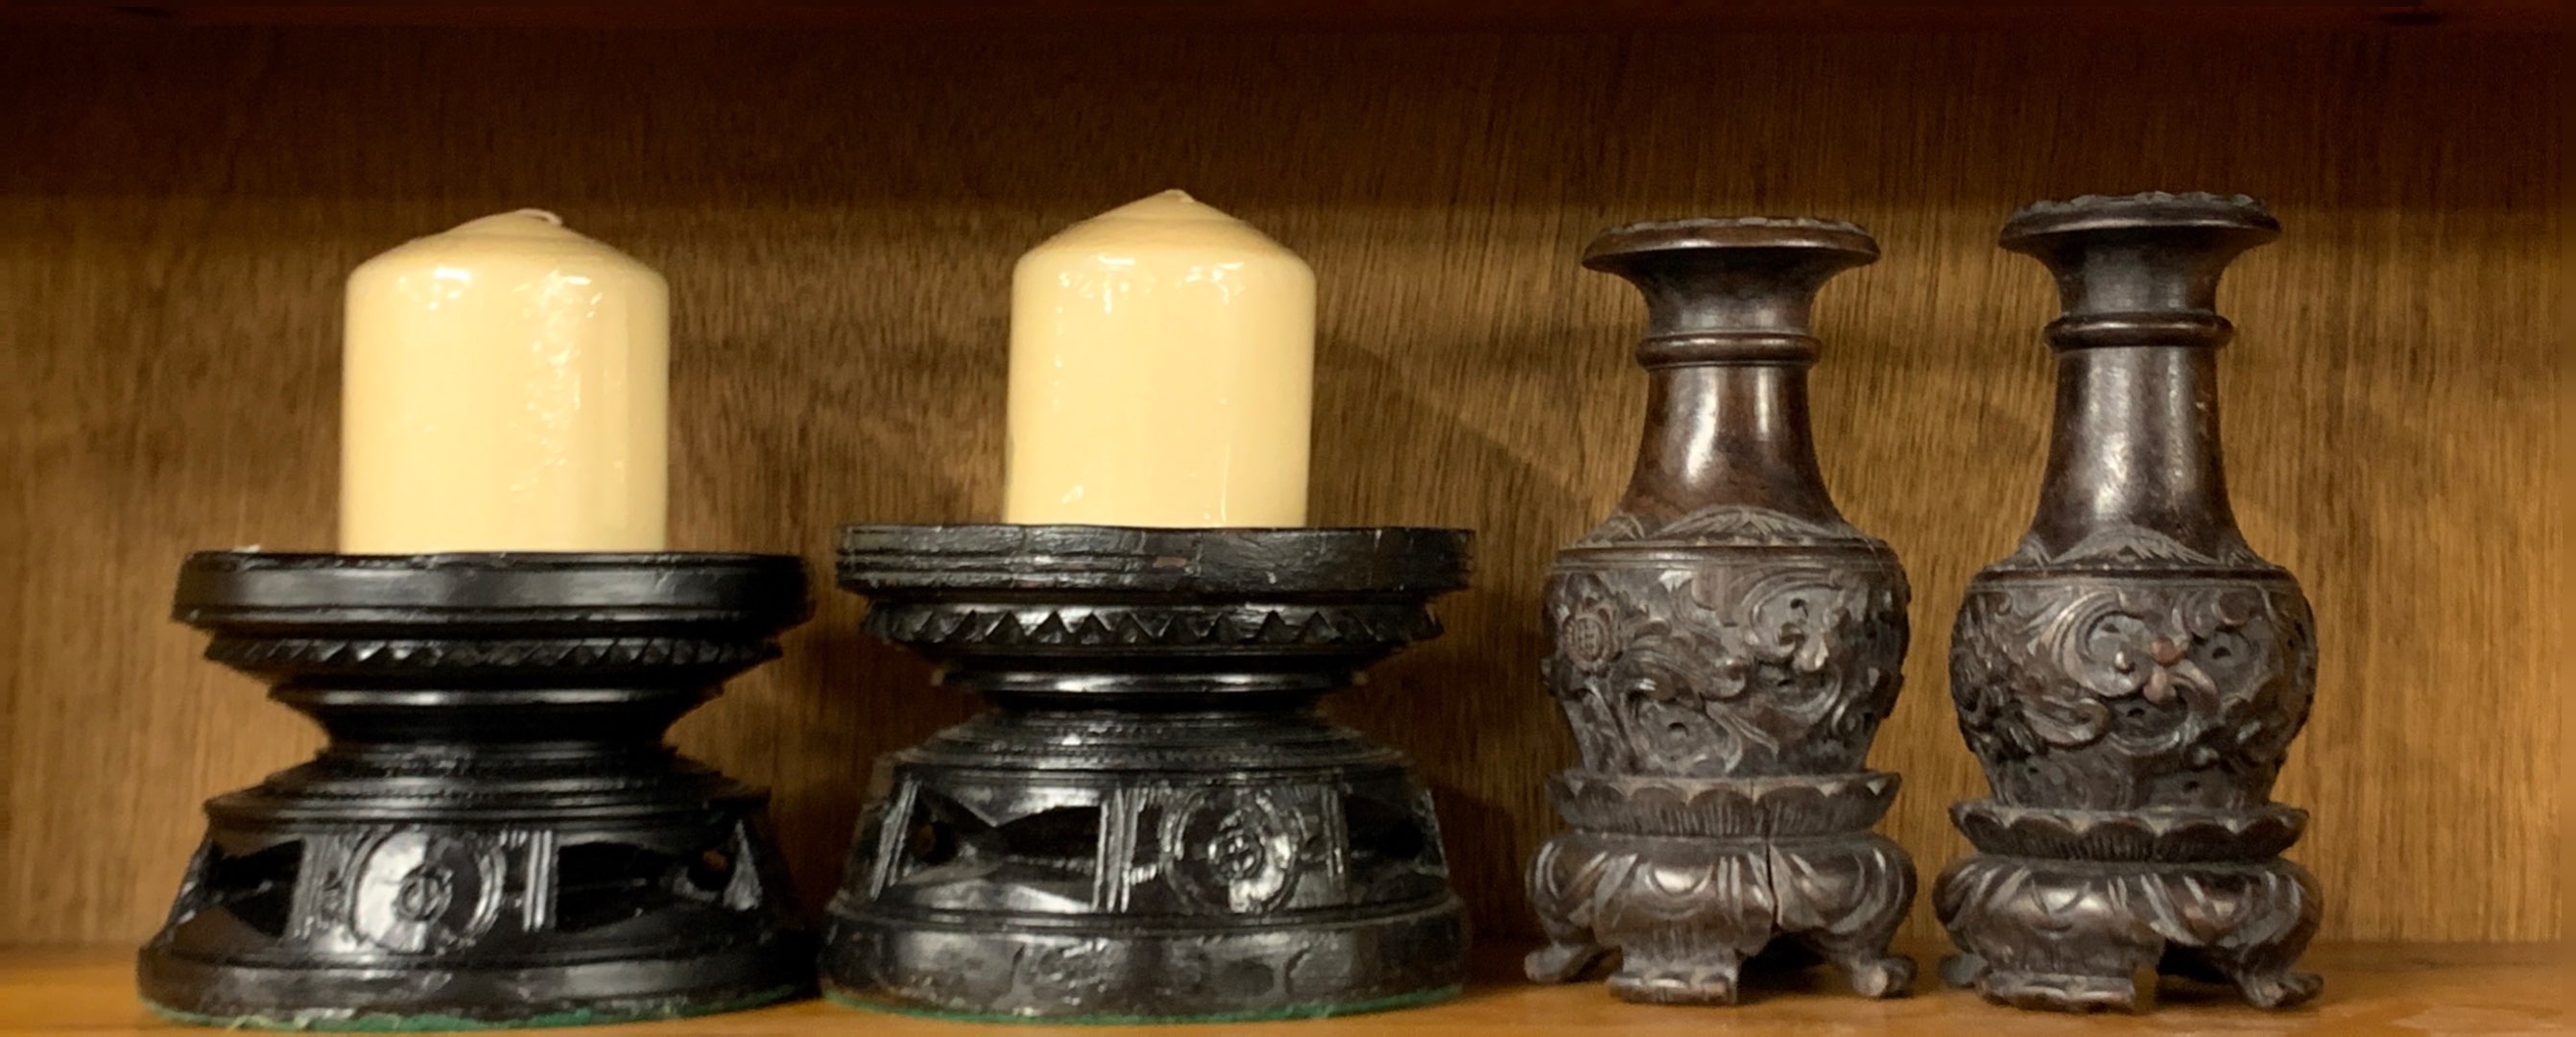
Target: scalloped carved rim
2114	202
1825	804
1715	222
2156	835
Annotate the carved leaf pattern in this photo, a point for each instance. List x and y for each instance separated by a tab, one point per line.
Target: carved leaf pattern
2091	695
2038	934
1739	525
1697	903
2124	545
1724	669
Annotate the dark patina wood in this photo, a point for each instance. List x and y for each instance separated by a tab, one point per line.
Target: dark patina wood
2132	675
1153	822
1725	648
496	835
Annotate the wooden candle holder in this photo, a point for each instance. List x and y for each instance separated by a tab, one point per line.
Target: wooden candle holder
2132	676
1153	823
1725	648
496	834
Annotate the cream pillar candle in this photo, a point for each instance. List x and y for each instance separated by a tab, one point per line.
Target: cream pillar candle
504	389
1162	369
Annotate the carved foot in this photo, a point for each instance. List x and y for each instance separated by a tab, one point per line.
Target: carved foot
2281	989
1700	982
2070	935
2060	992
1883	975
2053	991
1559	962
1686	910
1845	896
1959	970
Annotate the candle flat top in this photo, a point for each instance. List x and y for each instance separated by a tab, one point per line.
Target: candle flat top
1171	219
533	232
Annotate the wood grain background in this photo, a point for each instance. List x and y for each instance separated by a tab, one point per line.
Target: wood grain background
837	214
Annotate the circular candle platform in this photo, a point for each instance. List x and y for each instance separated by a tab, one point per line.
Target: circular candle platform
496	834
1153	824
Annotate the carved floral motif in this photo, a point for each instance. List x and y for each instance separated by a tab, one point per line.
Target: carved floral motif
2091	694
1239	851
1727	668
414	892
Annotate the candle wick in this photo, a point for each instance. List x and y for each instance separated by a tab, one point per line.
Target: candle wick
539	214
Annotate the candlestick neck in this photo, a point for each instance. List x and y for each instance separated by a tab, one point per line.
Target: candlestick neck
2139	270
1727	344
2135	469
1729	291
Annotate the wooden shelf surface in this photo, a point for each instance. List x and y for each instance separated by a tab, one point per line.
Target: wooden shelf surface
2370	988
1336	14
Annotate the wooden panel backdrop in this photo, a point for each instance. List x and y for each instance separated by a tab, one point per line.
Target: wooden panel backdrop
837	214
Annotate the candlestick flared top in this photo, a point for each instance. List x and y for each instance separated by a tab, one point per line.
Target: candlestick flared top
2139	269
1730	290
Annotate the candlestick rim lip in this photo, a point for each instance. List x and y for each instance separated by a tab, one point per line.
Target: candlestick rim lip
1731	232
228	588
1233	560
2031	226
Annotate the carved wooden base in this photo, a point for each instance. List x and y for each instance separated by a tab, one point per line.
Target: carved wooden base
2070	935
1153	824
1102	866
496	834
1678	876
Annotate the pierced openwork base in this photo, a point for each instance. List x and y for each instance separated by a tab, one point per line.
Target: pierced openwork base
293	918
1090	865
1688	879
1154	824
2070	935
495	835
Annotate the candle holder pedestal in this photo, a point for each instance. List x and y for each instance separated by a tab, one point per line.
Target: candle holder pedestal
2133	674
1153	823
496	834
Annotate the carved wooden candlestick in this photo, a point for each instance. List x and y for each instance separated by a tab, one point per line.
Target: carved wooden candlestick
1726	645
1153	823
496	834
2133	674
